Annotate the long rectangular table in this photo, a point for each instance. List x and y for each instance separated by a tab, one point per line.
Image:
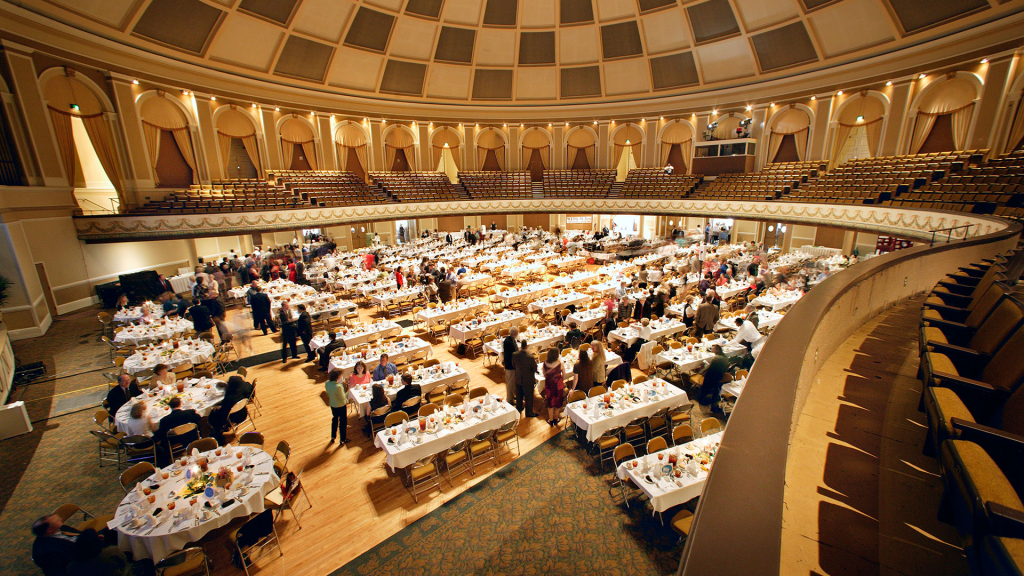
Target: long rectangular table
595	425
463	331
546	305
399	454
346	362
444	374
443	314
665	492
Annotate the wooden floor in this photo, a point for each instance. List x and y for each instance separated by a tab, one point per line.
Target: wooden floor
357	502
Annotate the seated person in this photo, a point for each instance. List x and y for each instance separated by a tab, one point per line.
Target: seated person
236	390
139	423
93	557
574	337
176	418
162	376
126	388
409	390
333	343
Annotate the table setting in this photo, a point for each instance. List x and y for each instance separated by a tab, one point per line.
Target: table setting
198	493
523	269
443	374
402	349
358	333
611	360
386	297
777	302
578	277
674	475
170	352
449	310
621	267
467	280
199	394
406	443
692	356
162	329
535	339
524	292
557	302
133	313
566	261
587	319
490	323
619	407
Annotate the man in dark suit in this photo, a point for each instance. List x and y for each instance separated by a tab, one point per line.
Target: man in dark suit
711	387
202	318
236	391
176	418
705	317
304	328
54	546
325	351
409	390
289	331
126	388
260	304
509	346
165	285
525	373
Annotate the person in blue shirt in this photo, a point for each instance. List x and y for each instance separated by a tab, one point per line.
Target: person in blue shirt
383	369
462	269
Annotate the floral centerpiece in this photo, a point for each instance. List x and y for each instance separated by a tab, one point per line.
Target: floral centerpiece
197	485
224	477
163	402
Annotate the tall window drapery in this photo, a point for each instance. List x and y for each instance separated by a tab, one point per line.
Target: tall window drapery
233	124
445	136
352	150
296	132
402	139
953	96
579	142
630	136
490	150
793	122
102	142
1016	137
677	134
160	114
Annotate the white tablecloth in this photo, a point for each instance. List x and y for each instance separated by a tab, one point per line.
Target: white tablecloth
438	315
517	271
777	302
735	387
688	361
566	262
548	304
668	397
182	282
665	493
159	330
611	360
604	287
474	279
368	289
576	278
402	454
355	337
428	379
346	363
656	332
382	299
523	293
586	319
200	395
133	313
159	541
537	340
462	332
194	351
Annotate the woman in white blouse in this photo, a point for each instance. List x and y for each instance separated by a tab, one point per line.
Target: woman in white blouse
138	422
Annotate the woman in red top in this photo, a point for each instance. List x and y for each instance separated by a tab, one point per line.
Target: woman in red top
369	260
554	387
399	278
291	271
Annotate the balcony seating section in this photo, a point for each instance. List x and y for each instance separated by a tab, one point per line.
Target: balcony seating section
993	186
418	186
497	185
328	187
775	181
654	183
242	195
874	180
578	183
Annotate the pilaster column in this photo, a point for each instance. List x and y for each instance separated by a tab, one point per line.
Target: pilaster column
997	77
25	84
208	139
140	174
898	105
272	145
326	147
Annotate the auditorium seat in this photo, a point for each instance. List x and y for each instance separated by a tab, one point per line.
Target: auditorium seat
497	185
578	183
655	183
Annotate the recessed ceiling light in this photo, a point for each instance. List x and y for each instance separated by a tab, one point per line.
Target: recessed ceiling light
365	120
840	93
277	108
661	118
748	108
253	104
549	124
136	82
814	98
521	124
921	76
772	105
213	98
185	92
889	83
504	125
715	112
984	60
860	118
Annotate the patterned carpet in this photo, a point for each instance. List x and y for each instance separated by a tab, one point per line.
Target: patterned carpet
549	512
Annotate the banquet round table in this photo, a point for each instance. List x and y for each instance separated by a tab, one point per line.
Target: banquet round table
163	329
133	313
194	351
170	531
200	394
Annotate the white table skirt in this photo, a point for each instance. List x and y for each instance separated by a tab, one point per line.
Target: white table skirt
462	333
195	397
165	539
407	453
174	327
182	282
665	494
777	303
575	279
735	387
522	270
362	395
544	307
509	297
199	353
468	281
433	316
585	319
383	299
374	288
566	262
585	420
372	361
135	312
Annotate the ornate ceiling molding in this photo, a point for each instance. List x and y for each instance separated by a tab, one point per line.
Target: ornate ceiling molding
878	219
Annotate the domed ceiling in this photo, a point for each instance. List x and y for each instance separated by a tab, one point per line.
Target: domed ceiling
520	51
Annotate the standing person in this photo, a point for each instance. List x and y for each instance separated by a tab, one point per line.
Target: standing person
401	234
711	388
584	372
399	277
304	327
202	320
525	371
600	363
706	316
288	332
508	350
260	304
554	387
337	396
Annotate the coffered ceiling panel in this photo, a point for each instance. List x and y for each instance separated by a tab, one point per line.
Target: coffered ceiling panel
324	19
246	41
665	31
499	52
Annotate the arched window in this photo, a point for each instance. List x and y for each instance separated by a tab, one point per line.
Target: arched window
490	150
630	136
239	150
352	150
944	117
580	150
858	131
677	146
787	138
297	147
536	152
171	151
442	137
400	149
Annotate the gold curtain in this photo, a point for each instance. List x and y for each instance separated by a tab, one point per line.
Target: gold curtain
309	149
527	153
252	149
287	151
874	135
590	151
225	149
1017	129
342	151
103	144
152	135
389	157
184	141
439	153
677	133
922	128
961	120
234	124
65	141
400	138
842	134
481	156
351	137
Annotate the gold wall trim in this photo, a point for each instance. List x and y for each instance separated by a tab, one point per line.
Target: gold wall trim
879	219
